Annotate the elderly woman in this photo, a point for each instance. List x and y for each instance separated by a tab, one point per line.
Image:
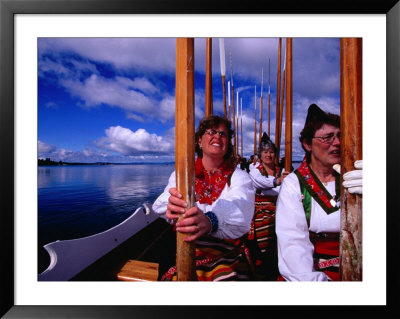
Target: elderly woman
223	210
261	240
308	207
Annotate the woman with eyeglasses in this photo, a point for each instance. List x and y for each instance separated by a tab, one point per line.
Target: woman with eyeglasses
308	206
224	207
267	177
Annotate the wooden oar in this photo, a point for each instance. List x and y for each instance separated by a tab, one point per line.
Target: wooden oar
269	97
289	98
241	126
261	106
229	100
351	150
255	119
185	148
233	110
237	122
278	95
222	62
282	98
209	105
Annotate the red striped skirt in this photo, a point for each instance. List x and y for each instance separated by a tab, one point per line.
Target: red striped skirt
217	260
326	253
261	239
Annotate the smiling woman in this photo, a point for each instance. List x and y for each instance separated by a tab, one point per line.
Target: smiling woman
210	145
267	177
223	209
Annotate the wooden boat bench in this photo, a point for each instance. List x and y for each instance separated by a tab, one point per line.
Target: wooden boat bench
136	270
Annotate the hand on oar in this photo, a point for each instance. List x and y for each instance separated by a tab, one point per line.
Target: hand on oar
194	223
352	180
176	205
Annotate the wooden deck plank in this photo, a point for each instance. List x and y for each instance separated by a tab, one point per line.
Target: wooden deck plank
137	270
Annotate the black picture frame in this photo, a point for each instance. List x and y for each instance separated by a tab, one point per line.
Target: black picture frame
8	10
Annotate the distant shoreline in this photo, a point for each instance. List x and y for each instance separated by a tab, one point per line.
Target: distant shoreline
49	162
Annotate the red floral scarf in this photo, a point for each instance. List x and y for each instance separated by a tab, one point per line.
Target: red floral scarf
208	186
314	186
263	171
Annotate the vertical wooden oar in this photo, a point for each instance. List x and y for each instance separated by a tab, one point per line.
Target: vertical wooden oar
241	126
289	99
229	100
237	122
281	99
281	105
222	63
278	95
233	110
255	119
208	106
261	106
269	96
184	148
351	150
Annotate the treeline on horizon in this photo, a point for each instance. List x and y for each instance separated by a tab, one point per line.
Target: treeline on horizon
49	162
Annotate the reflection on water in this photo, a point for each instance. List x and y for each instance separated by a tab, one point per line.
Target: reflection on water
77	201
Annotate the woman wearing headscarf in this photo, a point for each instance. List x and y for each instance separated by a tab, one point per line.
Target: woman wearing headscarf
261	240
223	209
308	207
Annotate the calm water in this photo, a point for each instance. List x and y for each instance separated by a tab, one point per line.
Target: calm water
82	200
77	201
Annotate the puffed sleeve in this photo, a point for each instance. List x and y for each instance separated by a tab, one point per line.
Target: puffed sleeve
295	251
235	207
160	204
260	181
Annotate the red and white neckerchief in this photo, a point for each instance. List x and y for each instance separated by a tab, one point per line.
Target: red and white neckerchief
208	186
263	171
314	186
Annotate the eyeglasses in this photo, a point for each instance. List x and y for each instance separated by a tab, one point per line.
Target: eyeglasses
329	138
212	132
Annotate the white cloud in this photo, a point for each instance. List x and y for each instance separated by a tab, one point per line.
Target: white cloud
51	105
166	109
126	142
141	84
135	117
64	67
143	53
97	90
45	148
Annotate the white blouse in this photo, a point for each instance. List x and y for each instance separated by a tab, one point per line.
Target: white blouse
295	250
263	183
234	207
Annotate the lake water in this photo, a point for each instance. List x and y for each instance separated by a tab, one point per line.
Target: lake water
81	200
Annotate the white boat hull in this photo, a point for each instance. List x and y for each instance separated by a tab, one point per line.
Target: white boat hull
69	257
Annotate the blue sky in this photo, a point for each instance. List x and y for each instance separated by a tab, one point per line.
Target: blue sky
113	99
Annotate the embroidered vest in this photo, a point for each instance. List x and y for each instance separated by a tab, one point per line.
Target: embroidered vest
311	186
